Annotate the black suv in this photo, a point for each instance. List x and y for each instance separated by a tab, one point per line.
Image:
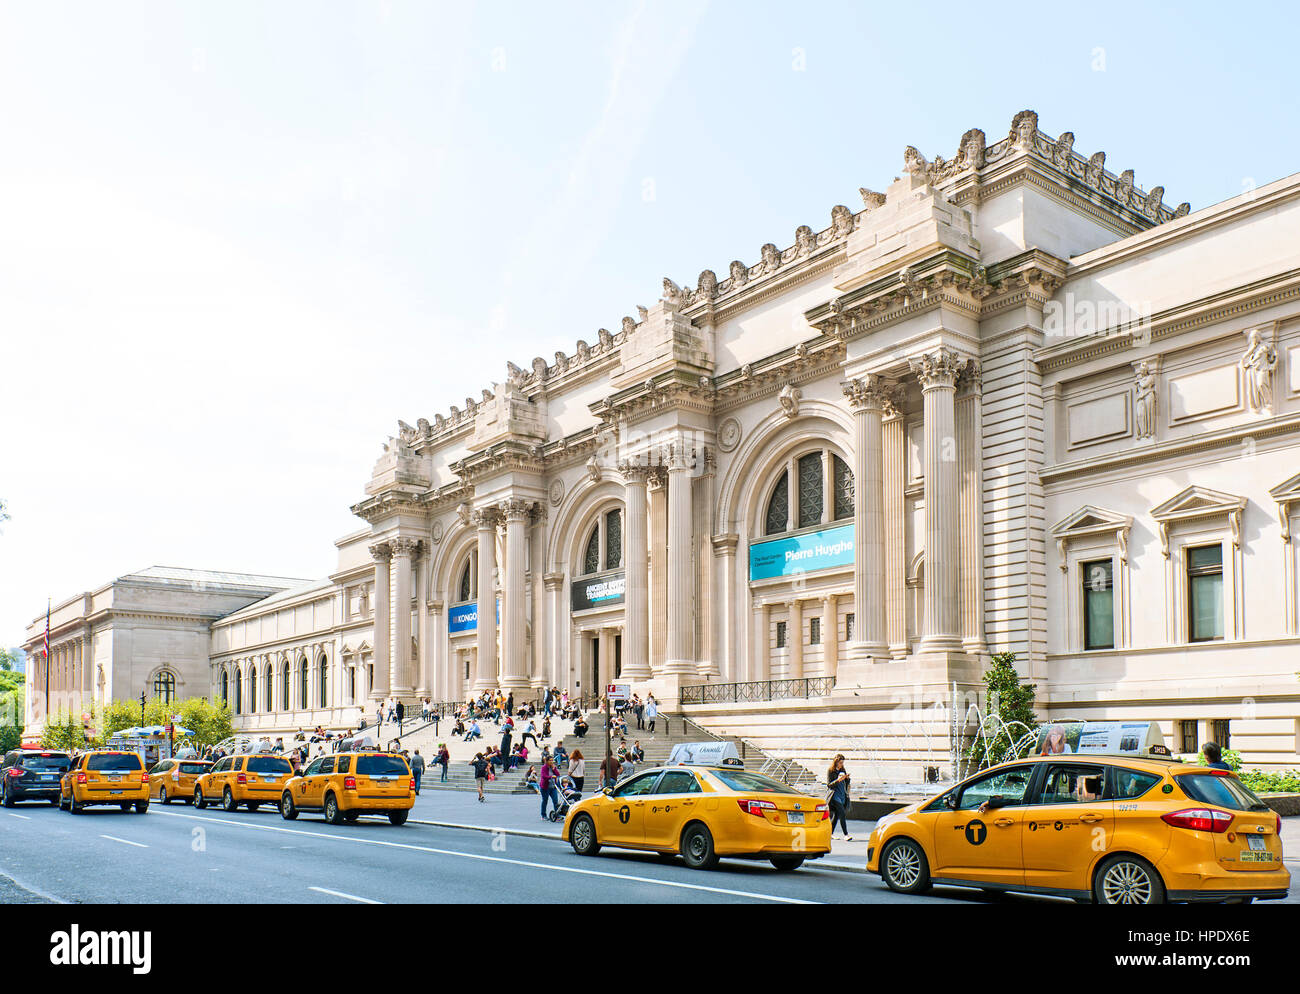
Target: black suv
32	775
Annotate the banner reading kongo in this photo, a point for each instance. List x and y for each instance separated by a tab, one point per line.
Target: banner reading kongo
598	591
464	617
804	553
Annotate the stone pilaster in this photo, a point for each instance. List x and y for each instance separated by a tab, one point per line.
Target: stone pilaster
400	681
869	398
485	671
636	597
830	635
895	538
725	637
382	554
971	511
424	636
794	641
514	615
680	589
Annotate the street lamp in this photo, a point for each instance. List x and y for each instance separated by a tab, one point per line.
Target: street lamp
142	709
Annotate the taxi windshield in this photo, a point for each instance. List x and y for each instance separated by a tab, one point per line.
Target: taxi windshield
114	762
752	782
380	766
1225	791
269	764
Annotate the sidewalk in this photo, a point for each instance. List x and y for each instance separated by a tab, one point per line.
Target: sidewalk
521	814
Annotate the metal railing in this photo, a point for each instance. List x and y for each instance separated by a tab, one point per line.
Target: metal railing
762	690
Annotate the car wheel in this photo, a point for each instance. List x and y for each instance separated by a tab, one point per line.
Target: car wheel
162	796
582	836
332	813
397	817
786	862
287	811
228	802
141	807
1127	879
905	868
200	801
8	800
73	806
697	848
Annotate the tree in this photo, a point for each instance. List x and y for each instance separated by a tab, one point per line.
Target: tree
9	659
63	731
11	709
209	722
1010	705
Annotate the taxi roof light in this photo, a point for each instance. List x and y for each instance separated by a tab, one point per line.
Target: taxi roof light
1199	819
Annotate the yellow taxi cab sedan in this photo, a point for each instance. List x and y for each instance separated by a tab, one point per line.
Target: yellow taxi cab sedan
173	779
105	776
703	813
347	785
1104	829
252	779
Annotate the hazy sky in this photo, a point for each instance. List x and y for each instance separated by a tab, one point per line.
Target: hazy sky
238	241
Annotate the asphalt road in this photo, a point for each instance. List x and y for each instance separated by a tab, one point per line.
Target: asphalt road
175	854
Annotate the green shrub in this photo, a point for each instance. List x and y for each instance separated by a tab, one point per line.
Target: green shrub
1230	756
1271	781
1010	700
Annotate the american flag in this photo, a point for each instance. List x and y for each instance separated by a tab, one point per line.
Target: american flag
47	631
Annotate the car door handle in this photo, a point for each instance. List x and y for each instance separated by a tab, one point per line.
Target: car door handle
1003	822
1090	818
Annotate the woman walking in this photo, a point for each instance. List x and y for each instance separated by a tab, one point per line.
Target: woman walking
480	772
651	712
837	795
444	757
577	769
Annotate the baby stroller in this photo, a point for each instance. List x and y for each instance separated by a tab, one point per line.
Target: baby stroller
568	798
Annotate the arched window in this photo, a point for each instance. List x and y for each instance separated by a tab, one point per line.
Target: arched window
813	501
302	683
604	549
322	679
467	588
284	685
266	679
225	685
164	686
239	694
252	689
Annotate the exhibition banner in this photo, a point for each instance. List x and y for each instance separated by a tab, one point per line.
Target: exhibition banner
824	549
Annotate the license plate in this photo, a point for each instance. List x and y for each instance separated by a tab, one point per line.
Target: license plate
1257	842
1250	856
48	779
794	817
115	792
113	779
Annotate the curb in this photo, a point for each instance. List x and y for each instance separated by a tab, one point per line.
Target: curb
526	833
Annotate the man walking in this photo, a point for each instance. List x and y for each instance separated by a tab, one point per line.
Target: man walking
401	713
651	712
444	757
417	770
609	770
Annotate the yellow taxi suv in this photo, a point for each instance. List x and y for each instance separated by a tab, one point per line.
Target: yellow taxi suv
105	777
1105	829
173	779
251	780
703	813
347	785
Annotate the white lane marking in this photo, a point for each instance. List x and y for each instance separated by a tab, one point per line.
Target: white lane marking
128	842
339	893
498	859
23	817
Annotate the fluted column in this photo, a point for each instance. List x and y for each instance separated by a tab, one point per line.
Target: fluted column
485	673
938	373
514	615
725	638
868	398
400	682
830	635
794	641
760	668
636	596
379	687
557	675
423	637
680	588
971	528
894	504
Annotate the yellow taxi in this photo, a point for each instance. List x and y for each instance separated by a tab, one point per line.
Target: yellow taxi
703	813
1122	829
347	785
173	779
105	776
252	779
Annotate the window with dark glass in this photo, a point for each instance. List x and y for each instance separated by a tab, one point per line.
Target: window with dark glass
164	686
614	539
266	679
780	634
1098	605
815	631
252	690
465	594
848	627
1205	593
843	488
778	507
225	686
284	686
239	694
302	683
811	491
323	677
1188	740
1220	730
591	559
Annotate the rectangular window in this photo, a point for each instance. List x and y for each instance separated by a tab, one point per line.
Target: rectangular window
848	627
1205	593
1220	730
1188	739
1098	605
780	634
815	631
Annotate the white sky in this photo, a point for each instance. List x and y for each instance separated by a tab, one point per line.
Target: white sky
238	241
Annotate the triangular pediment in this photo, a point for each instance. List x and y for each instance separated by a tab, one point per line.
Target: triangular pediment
1287	491
1197	502
1089	520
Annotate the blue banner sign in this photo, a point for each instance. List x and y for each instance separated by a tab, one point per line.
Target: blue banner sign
597	591
464	617
804	553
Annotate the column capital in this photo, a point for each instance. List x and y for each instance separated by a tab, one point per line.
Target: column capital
516	509
873	393
725	545
938	370
634	472
484	518
678	458
381	552
553	581
404	547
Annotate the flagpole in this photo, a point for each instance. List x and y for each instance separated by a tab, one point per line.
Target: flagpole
46	721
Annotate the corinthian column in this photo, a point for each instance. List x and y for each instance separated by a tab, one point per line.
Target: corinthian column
485	677
514	615
400	682
636	596
868	398
938	373
423	640
680	588
382	554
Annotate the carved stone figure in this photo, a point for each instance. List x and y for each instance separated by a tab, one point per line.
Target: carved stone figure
841	220
1259	362
803	239
1124	189
914	162
1145	405
607	339
871	199
583	351
561	363
488	396
1061	150
1096	167
789	398
593	469
1023	128
771	258
539	369
739	274
708	284
513	373
970	153
1152	206
672	293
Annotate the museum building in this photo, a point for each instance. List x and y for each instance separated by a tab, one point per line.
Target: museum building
1015	403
